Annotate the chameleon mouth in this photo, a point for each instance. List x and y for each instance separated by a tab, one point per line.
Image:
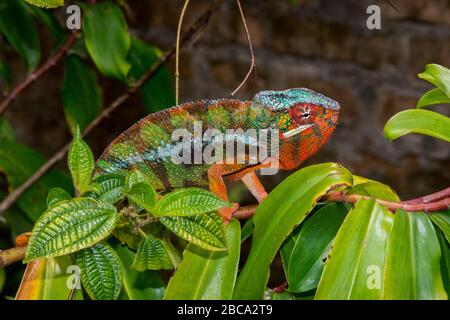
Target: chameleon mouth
295	131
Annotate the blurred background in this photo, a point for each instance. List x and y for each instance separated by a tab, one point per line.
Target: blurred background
321	44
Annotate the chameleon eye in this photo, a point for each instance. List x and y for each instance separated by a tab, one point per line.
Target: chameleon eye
305	115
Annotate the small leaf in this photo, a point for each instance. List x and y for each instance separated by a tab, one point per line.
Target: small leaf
152	255
70	226
432	97
18	27
143	195
6	131
48	4
107	39
437	75
101	271
418	121
312	246
56	195
442	220
206	275
81	163
189	202
134	177
146	285
81	94
157	92
412	270
111	188
204	230
374	189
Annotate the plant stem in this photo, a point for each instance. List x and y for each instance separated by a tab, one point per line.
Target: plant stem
12	255
51	62
187	37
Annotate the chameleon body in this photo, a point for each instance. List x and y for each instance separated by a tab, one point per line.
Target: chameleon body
305	120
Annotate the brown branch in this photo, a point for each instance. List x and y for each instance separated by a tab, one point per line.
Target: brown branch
431	198
12	255
187	37
51	62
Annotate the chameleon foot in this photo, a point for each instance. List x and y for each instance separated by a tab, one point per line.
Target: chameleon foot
227	213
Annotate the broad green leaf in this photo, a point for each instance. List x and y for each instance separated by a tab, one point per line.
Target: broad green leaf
138	285
418	121
157	92
285	207
188	202
152	255
48	19
143	195
204	230
18	27
437	75
81	163
56	195
111	188
107	39
312	246
101	271
6	131
5	77
445	261
18	163
374	189
48	4
49	279
413	260
432	97
81	94
206	275
70	226
355	264
442	220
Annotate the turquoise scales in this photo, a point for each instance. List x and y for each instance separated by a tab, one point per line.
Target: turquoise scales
305	120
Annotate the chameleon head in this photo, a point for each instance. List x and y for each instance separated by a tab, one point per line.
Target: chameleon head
305	120
297	110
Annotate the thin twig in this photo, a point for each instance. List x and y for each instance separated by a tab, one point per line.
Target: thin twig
12	255
431	198
51	62
177	53
252	65
187	37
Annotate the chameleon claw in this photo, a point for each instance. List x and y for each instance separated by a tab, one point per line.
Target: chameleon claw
227	213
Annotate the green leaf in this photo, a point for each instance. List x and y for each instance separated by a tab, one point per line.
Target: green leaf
445	261
354	268
418	121
188	202
48	19
413	260
206	275
143	195
374	189
101	271
48	279
70	226
135	176
81	163
312	246
18	27
285	207
48	4
437	75
6	131
111	188
107	39
152	255
204	230
56	195
18	163
442	220
432	97
81	94
137	285
2	279
157	92
5	77
247	230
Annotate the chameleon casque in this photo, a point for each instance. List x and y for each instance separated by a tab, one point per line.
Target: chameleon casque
305	120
